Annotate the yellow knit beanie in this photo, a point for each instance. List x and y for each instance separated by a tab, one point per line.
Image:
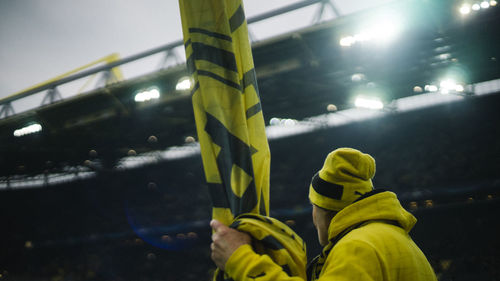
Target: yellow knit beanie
346	175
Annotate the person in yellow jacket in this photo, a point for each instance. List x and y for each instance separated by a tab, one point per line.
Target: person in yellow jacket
364	231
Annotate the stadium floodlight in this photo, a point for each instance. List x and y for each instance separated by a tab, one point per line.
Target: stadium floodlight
380	31
274	121
185	83
347	41
146	95
444	56
449	85
331	107
286	122
476	7
370	103
31	129
431	88
418	89
358	77
465	9
485	4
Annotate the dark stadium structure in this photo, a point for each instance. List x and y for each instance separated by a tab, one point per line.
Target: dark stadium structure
299	74
151	222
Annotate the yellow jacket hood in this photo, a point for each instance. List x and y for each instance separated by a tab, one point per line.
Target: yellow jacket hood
380	206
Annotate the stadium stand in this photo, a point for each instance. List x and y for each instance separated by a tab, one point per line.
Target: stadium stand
151	223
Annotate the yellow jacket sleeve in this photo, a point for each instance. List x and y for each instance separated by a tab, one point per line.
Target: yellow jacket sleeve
246	265
353	261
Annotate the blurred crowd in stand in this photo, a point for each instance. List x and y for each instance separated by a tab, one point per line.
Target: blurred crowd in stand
151	223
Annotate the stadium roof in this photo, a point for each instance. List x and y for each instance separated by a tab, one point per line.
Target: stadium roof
299	75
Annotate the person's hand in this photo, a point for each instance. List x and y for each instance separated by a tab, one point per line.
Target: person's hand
225	241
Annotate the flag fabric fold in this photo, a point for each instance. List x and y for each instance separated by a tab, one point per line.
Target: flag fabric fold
227	109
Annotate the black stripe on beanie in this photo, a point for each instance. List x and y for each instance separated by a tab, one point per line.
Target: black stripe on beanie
328	189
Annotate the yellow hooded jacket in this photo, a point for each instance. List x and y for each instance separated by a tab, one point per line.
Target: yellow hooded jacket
368	241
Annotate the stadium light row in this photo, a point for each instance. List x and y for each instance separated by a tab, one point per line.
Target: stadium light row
153	93
144	95
445	86
30	129
386	28
467	8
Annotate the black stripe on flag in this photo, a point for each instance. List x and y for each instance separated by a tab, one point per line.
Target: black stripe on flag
214	55
271	243
211	34
233	152
253	110
250	78
220	79
187	43
195	88
218	195
237	19
191	67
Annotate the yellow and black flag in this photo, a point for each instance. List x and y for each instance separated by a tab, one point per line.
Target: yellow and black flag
227	107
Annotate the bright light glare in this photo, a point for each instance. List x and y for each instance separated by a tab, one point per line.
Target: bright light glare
431	88
485	5
417	89
289	122
347	41
465	9
361	37
444	56
151	93
185	83
381	31
274	121
357	77
286	122
476	7
385	31
449	85
368	103
493	3
28	130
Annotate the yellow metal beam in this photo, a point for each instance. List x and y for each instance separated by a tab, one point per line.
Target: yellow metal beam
115	71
